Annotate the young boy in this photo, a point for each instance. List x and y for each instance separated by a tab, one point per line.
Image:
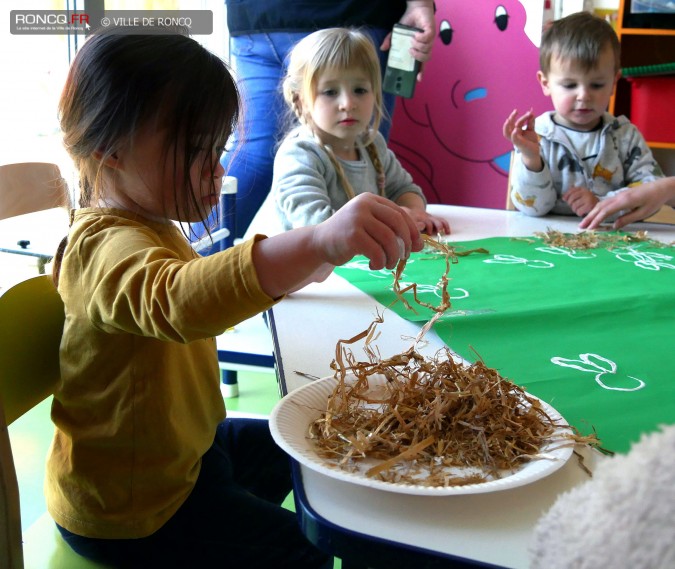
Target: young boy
569	159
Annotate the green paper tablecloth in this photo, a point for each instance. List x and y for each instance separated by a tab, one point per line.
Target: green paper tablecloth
590	332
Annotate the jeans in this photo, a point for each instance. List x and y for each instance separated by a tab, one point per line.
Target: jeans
259	61
231	519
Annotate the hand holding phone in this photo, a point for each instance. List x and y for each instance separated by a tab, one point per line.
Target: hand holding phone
400	75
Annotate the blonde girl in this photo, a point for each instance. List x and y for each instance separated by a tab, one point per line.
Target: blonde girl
335	152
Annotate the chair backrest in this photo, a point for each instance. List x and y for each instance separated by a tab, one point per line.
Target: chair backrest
31	326
26	187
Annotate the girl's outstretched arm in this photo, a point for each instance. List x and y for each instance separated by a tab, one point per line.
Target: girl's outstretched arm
368	225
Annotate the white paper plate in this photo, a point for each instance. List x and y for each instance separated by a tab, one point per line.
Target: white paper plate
291	417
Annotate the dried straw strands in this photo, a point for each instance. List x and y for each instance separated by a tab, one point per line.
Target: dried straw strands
429	421
593	240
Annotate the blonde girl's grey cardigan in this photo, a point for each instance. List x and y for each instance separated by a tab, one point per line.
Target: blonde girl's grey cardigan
306	188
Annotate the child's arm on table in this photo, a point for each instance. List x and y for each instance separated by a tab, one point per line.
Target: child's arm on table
640	201
642	171
581	200
368	225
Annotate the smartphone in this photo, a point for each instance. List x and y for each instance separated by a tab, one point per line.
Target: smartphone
400	75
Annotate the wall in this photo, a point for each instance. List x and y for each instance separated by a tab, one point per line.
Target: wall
666	159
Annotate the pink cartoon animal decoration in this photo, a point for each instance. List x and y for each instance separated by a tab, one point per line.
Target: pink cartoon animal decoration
449	135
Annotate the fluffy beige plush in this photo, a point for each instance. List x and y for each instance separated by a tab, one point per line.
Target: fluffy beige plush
624	517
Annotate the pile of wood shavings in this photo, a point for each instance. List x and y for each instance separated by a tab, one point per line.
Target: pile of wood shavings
593	239
431	422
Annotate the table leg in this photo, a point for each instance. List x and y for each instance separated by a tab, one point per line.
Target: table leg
230	387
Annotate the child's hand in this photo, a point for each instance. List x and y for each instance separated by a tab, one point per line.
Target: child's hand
520	131
427	223
637	202
368	225
581	200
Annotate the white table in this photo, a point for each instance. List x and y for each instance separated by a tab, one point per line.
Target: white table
493	528
323	313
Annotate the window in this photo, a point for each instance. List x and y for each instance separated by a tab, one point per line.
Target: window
34	68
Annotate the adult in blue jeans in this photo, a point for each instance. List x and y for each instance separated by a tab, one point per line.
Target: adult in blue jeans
262	34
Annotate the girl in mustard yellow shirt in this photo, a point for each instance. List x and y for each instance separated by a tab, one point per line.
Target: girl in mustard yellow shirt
144	469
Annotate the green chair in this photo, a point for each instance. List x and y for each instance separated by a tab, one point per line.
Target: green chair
31	325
